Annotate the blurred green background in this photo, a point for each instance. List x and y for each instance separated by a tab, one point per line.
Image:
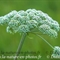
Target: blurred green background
9	42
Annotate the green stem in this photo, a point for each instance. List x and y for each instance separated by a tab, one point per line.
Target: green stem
45	41
20	45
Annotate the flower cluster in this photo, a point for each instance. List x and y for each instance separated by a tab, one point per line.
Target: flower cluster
25	21
56	51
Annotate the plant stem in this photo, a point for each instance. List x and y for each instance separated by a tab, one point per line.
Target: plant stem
20	45
45	41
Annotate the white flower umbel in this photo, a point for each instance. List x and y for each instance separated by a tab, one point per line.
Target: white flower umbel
32	19
27	21
56	52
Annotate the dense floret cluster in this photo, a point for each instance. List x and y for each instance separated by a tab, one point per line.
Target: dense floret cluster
25	21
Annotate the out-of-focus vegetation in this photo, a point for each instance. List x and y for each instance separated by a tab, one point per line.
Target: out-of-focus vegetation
9	42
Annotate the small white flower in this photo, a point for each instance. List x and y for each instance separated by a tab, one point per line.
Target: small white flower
13	26
37	18
13	23
11	14
1	20
22	13
4	20
52	33
43	28
31	15
8	29
24	19
23	28
55	26
16	17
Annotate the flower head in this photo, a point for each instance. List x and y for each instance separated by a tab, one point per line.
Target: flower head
56	51
25	21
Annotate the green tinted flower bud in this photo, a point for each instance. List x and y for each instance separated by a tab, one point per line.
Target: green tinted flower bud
23	28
